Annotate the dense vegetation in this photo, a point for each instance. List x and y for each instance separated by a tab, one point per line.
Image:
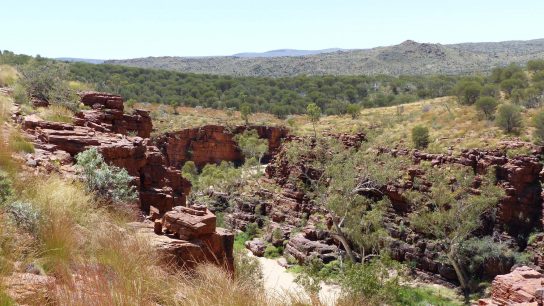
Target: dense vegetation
280	96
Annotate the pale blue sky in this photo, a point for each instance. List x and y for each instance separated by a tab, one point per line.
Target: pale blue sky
108	29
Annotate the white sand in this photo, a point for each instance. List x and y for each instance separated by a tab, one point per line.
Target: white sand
280	283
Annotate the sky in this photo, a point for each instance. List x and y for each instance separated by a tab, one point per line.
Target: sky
118	29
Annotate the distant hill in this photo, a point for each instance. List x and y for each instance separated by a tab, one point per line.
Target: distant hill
407	58
286	52
80	60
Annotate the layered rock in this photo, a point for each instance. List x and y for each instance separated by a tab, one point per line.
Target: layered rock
523	286
213	144
311	243
216	247
108	116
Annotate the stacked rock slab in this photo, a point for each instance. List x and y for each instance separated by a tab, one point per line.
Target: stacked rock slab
107	116
195	228
522	286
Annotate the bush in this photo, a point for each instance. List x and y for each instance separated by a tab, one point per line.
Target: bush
25	215
487	106
467	91
509	117
5	187
420	136
476	253
107	181
272	251
538	122
354	110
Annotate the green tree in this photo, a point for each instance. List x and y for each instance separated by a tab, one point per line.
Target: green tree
509	85
467	91
314	113
438	212
538	122
487	106
354	110
535	65
509	117
251	145
245	112
420	136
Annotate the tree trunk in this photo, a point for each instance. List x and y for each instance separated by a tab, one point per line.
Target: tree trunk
459	272
340	236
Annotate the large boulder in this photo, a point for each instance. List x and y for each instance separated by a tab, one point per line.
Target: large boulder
189	222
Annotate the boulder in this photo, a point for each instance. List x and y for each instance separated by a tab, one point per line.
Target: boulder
189	222
256	246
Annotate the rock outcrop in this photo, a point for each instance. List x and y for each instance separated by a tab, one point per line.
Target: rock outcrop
213	144
183	235
523	286
108	116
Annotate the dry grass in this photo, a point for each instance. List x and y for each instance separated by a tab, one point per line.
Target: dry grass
8	75
56	113
450	124
165	118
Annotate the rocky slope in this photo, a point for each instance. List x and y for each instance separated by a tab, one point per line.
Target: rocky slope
293	222
407	58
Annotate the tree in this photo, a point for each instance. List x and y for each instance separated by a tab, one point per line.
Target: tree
509	117
487	106
467	91
535	65
509	85
354	110
336	179
47	80
420	136
251	145
245	112
314	113
451	199
538	122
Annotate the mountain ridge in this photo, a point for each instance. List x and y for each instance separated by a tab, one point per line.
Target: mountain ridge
407	58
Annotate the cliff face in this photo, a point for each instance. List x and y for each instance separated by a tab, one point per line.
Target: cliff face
213	144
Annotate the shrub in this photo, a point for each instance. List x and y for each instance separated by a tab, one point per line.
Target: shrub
247	269
476	253
487	106
509	117
107	181
25	215
354	110
420	136
5	187
272	251
467	91
538	122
